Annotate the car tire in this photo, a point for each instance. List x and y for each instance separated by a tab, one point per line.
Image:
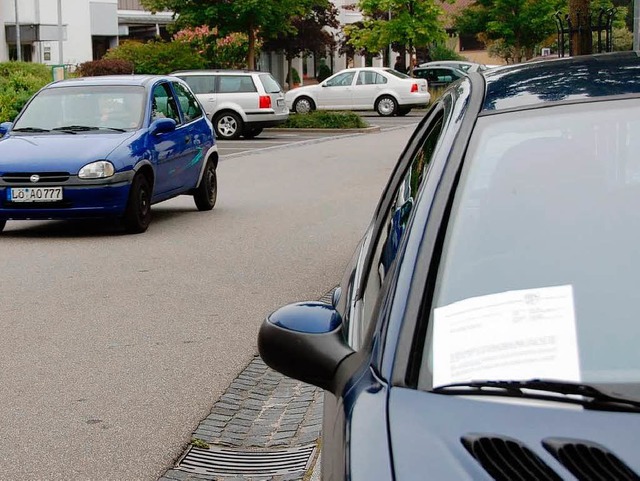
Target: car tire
303	105
137	215
228	125
250	133
402	111
386	106
3	223
206	193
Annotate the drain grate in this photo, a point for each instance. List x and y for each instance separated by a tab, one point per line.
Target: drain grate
223	461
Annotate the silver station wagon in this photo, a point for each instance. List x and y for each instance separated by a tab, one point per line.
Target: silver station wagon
238	102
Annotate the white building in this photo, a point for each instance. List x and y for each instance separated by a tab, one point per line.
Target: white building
70	32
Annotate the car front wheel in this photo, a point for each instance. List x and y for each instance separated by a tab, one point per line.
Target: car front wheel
137	215
228	125
386	106
303	105
207	192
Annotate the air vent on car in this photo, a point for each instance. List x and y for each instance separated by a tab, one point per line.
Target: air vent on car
507	459
589	461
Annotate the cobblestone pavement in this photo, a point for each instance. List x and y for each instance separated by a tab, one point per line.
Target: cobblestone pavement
261	412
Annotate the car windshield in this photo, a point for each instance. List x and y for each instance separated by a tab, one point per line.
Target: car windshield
540	263
271	86
100	108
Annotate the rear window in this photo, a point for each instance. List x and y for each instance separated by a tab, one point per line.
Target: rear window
271	85
395	73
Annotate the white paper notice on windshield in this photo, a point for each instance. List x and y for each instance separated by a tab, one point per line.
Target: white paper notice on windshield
513	335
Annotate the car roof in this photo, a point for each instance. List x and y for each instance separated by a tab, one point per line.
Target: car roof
134	80
215	71
562	80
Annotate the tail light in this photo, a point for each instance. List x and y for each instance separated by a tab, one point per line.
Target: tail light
414	88
265	102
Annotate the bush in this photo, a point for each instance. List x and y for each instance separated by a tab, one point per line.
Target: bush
295	75
18	82
324	72
157	58
442	52
326	120
105	66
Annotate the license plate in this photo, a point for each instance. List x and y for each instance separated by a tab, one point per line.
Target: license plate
280	102
423	88
34	194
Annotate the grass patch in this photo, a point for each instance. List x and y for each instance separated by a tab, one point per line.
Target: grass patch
325	120
199	443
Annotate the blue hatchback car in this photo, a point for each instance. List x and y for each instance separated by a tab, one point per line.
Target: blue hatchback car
487	326
107	147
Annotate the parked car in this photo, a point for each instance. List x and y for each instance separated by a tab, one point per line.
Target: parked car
106	147
238	102
459	64
486	327
438	77
381	89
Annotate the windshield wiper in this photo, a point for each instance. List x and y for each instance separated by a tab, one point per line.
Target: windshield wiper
29	129
590	396
85	128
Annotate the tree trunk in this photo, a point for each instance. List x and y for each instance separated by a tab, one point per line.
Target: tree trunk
581	41
251	54
289	73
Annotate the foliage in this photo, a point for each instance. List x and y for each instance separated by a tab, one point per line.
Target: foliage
295	75
412	23
441	52
622	39
218	52
326	120
324	71
258	19
105	66
18	82
157	58
199	443
511	28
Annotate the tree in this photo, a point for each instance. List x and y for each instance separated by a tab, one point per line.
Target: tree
409	23
258	19
581	38
516	26
309	34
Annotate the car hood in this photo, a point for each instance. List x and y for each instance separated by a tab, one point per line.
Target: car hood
57	152
428	433
300	90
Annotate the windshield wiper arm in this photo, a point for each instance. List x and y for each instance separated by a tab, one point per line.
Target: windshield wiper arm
591	397
85	128
29	129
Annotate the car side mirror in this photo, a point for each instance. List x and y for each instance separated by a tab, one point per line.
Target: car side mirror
323	84
5	127
304	341
162	126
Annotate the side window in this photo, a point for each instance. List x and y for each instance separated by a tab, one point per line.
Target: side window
393	227
341	80
235	84
188	104
163	104
367	78
201	84
380	79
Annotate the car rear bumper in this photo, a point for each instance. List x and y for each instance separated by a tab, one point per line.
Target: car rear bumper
268	120
415	100
77	203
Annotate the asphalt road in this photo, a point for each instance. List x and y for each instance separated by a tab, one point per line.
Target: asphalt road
114	347
274	138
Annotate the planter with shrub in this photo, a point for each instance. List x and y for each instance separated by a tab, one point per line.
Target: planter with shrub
325	120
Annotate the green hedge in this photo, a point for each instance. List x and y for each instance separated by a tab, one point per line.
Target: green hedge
325	120
157	58
18	82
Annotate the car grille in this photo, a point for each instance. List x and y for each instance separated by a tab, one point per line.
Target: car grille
588	461
45	177
507	459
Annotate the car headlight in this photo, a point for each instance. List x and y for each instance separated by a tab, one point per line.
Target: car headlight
97	170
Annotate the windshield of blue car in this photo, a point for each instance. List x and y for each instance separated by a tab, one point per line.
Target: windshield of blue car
540	268
101	108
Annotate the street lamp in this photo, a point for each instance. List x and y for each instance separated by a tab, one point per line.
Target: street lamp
18	39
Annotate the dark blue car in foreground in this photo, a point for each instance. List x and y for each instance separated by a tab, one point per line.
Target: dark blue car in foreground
487	327
106	147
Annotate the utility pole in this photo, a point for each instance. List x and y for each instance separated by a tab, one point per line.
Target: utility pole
18	39
60	34
636	24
